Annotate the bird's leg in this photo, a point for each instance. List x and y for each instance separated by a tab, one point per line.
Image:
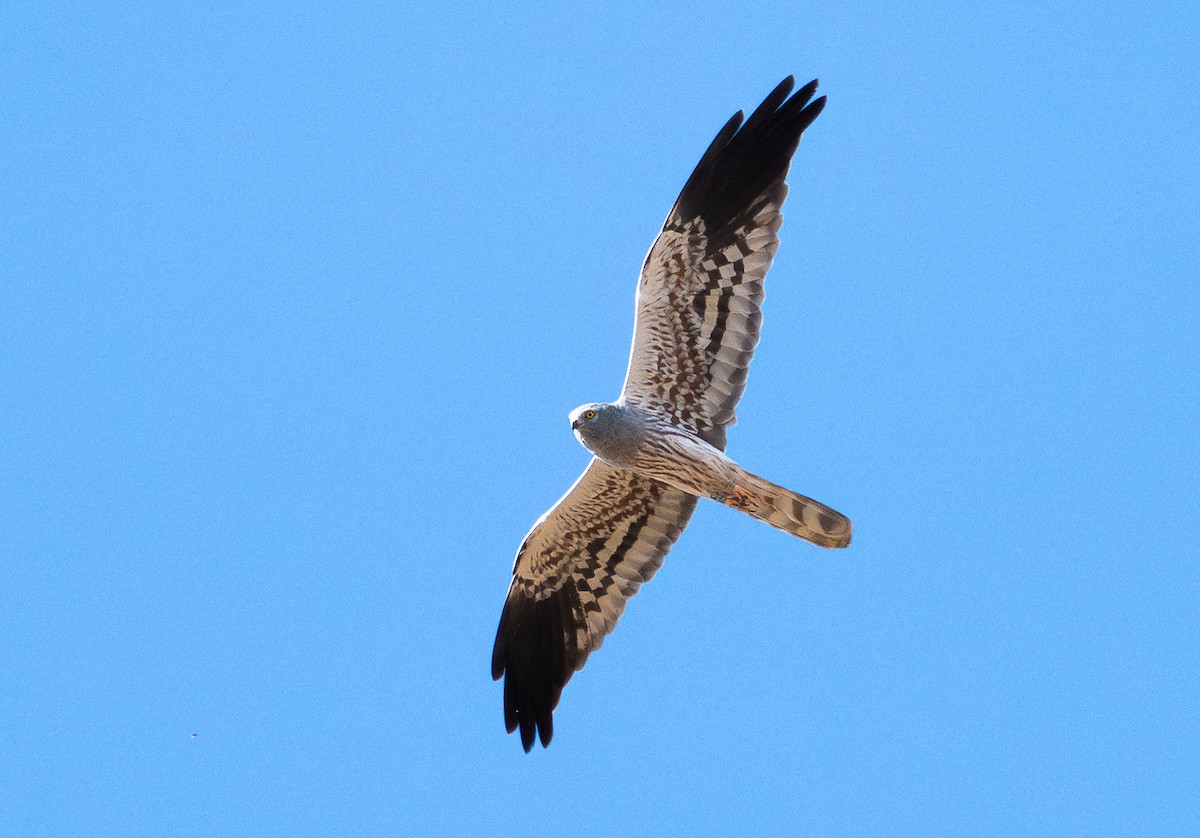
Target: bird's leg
733	495
723	494
738	498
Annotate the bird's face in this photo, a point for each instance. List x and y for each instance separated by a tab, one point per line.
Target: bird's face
587	418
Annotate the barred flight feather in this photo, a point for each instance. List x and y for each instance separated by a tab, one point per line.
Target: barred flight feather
573	575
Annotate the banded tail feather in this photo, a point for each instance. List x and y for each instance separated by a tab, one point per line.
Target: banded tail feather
788	511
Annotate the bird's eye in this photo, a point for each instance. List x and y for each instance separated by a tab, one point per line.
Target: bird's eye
589	415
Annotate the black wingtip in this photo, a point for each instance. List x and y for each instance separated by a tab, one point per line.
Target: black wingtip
535	654
527	731
746	158
779	95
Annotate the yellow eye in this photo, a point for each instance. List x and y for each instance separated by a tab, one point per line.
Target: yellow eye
589	415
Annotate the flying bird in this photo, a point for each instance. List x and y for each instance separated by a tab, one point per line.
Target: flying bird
660	446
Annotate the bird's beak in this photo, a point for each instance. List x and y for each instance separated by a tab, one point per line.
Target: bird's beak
575	425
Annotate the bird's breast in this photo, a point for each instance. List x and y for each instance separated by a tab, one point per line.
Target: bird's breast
619	451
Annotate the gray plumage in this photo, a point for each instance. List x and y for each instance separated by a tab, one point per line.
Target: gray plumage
660	446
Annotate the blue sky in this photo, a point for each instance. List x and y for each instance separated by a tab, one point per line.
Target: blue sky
296	301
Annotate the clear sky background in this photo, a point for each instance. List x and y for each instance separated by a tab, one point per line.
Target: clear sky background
295	301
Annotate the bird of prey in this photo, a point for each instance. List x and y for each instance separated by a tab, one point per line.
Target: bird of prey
660	446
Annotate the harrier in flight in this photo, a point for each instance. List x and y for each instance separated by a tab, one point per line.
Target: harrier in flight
661	445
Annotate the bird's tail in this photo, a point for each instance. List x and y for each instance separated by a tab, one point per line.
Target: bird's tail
788	511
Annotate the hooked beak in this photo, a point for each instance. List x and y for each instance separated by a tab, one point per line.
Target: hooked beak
575	425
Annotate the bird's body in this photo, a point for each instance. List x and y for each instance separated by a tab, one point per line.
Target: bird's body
649	443
661	445
658	446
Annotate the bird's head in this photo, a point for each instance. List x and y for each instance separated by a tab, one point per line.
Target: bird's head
596	421
605	430
590	417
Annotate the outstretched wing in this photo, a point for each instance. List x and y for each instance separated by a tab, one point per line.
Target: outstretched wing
697	326
575	570
698	299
